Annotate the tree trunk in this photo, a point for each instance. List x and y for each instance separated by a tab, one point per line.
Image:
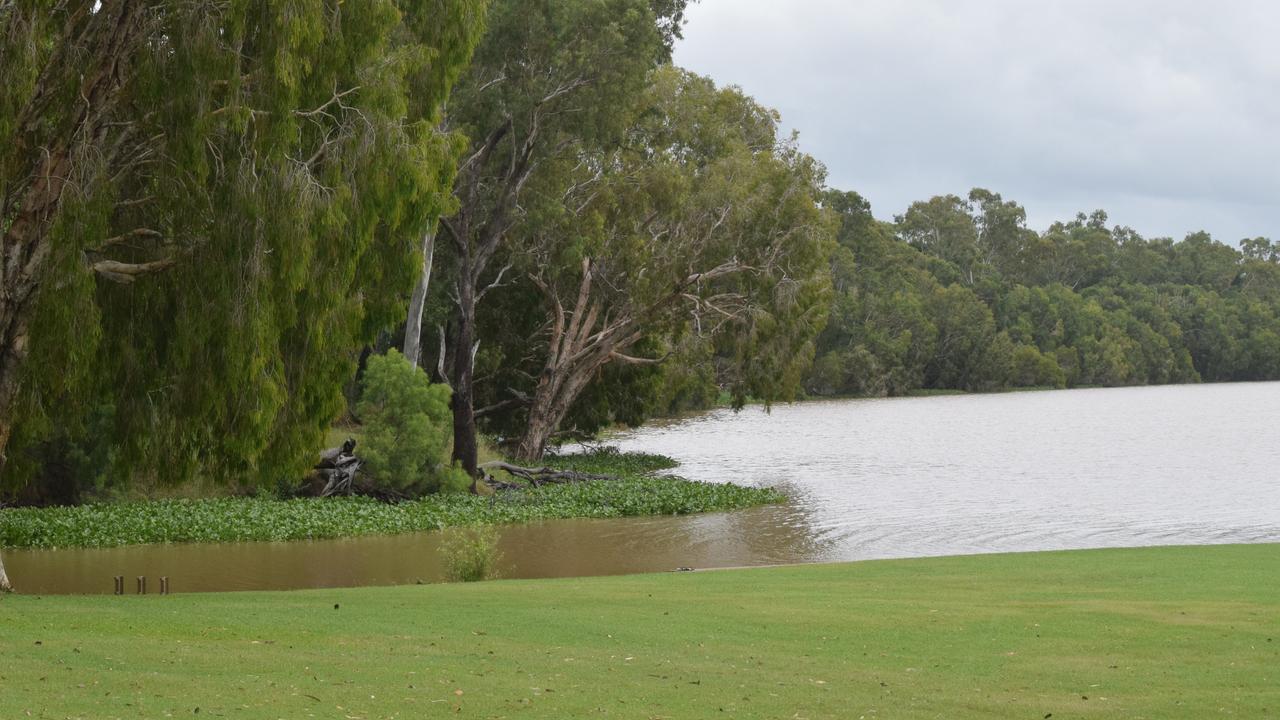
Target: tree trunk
12	352
24	248
465	449
97	57
413	326
557	390
540	425
4	579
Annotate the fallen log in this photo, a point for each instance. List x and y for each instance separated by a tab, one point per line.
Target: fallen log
540	476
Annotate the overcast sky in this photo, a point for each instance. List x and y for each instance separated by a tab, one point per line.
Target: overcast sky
1164	113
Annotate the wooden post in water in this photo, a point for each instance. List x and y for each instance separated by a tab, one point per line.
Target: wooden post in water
142	584
164	585
118	581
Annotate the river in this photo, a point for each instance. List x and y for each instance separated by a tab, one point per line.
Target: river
886	478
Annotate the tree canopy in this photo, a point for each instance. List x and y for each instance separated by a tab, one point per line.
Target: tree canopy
206	208
960	294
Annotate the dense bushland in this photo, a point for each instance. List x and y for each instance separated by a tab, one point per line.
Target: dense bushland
960	294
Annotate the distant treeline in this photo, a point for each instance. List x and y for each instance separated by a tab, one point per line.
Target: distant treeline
959	294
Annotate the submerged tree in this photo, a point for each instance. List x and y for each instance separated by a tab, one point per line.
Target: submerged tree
205	207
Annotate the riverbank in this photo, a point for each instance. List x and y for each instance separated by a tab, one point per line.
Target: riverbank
637	491
1156	633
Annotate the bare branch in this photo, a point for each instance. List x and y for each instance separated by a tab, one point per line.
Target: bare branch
497	283
557	322
517	399
323	109
126	273
132	234
629	360
440	360
579	307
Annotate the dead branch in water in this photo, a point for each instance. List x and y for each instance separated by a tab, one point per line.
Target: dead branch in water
541	476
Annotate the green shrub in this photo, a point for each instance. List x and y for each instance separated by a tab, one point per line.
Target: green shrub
470	554
406	426
1031	368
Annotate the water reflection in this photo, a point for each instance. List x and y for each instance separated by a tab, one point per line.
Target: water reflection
569	548
867	479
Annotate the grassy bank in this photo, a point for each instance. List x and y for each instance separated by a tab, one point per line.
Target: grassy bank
1151	633
637	492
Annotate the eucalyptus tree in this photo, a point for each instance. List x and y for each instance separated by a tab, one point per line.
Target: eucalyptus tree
703	223
1079	253
1201	260
1260	249
549	80
205	207
879	335
944	227
1002	232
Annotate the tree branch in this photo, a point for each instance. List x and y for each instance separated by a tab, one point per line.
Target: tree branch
126	273
629	360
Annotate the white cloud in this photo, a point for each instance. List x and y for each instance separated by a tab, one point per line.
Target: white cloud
1164	113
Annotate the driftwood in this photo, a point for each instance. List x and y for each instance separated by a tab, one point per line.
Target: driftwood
539	476
337	469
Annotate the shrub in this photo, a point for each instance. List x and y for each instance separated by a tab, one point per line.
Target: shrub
406	426
1031	368
470	554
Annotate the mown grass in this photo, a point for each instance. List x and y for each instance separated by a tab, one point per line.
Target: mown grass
637	492
1150	633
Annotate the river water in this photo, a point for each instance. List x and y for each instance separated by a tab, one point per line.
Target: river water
867	479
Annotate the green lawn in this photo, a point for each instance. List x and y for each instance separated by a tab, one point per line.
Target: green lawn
1151	633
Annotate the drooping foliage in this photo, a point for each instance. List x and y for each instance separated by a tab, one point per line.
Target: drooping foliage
242	214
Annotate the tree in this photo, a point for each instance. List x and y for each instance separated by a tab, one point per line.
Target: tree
1002	232
1077	254
205	207
1078	304
1031	368
548	80
418	302
1261	249
944	227
1199	260
704	222
878	336
965	355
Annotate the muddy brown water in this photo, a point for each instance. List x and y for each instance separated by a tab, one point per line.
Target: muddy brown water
867	479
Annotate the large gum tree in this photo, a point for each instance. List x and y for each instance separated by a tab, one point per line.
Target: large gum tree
204	207
703	225
548	79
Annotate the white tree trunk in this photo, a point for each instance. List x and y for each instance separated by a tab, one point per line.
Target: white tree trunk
4	579
413	326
